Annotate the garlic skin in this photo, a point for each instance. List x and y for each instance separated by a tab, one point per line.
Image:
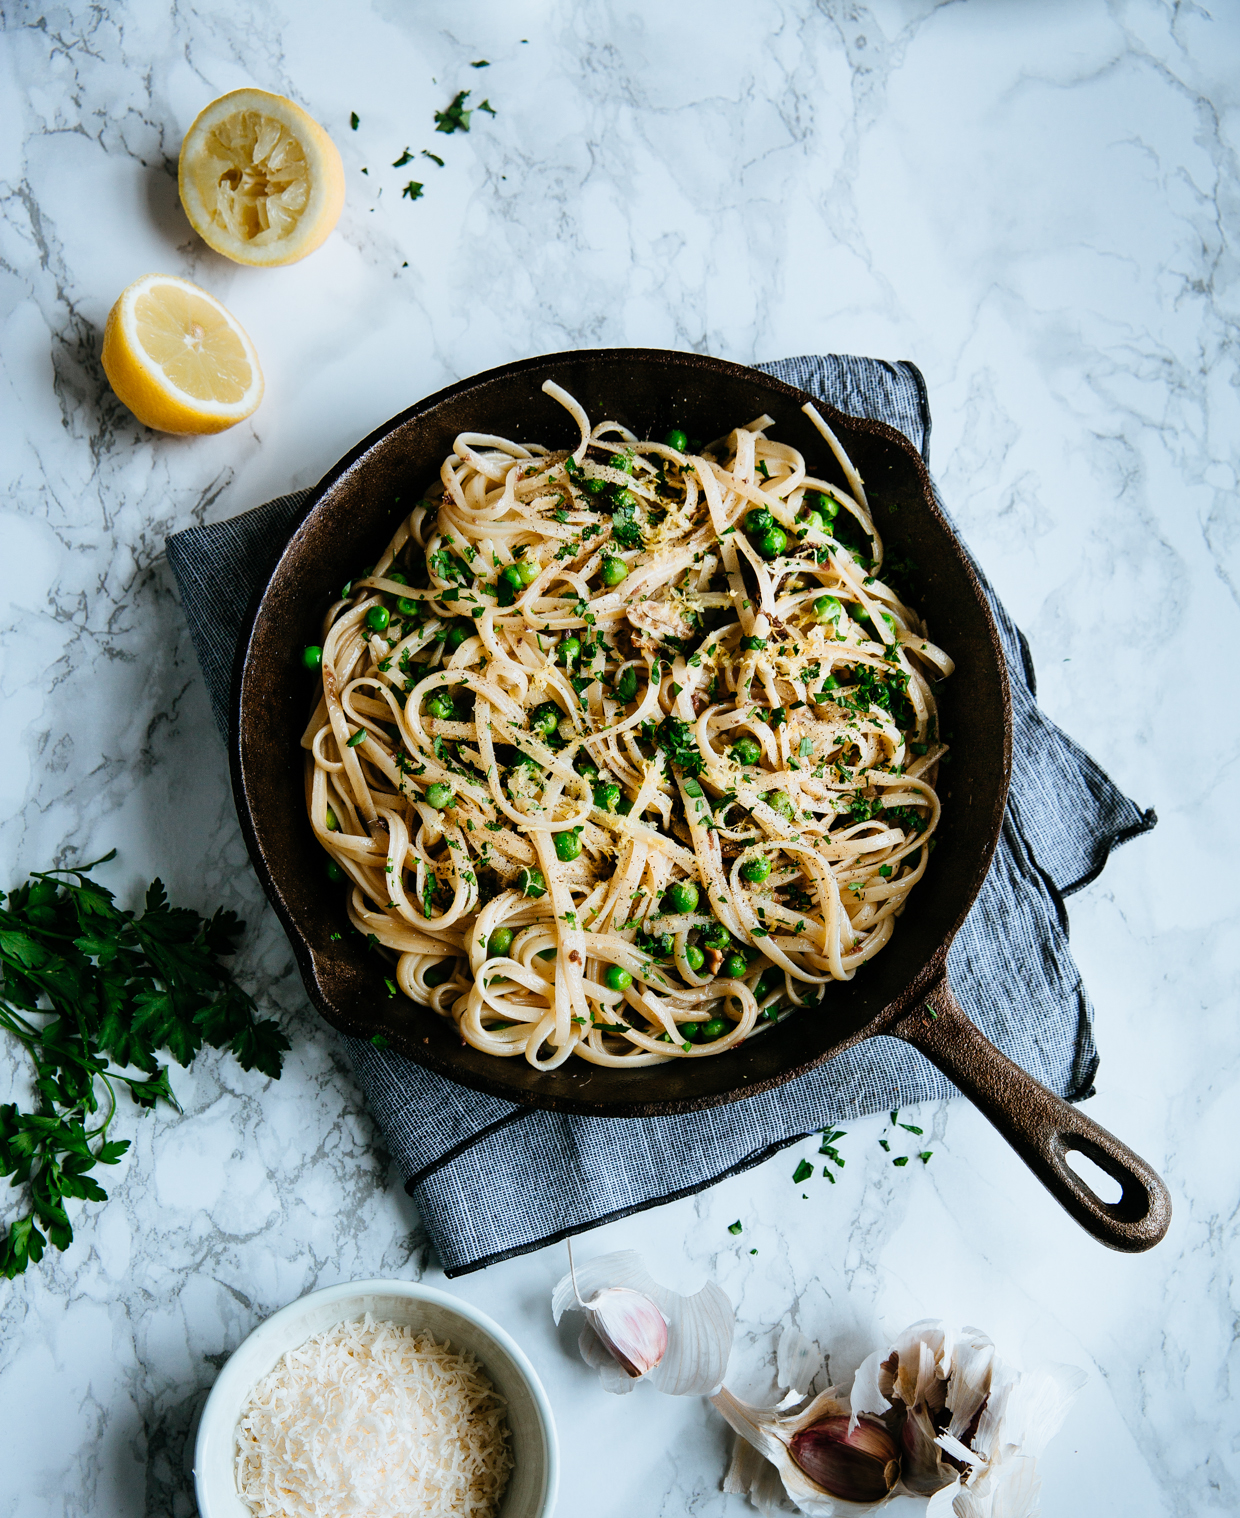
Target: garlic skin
621	1338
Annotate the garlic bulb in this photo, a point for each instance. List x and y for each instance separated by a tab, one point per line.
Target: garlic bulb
637	1330
937	1415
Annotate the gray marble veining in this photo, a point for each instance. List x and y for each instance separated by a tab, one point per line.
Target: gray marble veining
1036	203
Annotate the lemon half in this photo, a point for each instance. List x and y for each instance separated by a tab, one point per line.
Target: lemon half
260	180
178	359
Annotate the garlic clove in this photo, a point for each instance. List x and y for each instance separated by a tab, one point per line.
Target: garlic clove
859	1464
922	1469
596	1355
772	1435
699	1328
630	1326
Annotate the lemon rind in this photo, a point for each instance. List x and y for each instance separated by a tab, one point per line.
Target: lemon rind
322	210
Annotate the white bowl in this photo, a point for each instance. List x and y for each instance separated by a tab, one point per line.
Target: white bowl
536	1473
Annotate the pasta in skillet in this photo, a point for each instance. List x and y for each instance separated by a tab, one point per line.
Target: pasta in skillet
626	752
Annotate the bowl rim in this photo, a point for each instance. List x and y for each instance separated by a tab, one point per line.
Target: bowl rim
225	1397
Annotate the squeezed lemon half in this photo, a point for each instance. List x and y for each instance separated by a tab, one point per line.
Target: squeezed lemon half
178	359
260	180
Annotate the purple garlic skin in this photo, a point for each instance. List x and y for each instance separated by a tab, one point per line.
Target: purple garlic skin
859	1467
631	1326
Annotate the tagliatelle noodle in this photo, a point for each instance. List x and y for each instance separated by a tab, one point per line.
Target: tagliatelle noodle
528	759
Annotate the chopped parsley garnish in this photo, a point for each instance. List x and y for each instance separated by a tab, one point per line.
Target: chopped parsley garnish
456	117
405	157
413	190
803	1172
434	157
735	1227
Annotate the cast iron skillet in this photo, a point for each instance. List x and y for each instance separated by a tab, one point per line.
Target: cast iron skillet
903	992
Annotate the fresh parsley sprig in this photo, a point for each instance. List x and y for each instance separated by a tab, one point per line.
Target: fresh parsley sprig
94	993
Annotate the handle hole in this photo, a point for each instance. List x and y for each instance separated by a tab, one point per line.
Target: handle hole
1105	1187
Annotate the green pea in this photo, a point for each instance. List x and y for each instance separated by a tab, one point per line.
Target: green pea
505	595
682	897
772	543
510	575
545	719
746	751
333	822
752	645
396	577
716	1028
529	570
378	618
758	520
439	795
691	1031
734	967
531	883
826	504
771	980
828	609
567	846
569	650
439	704
716	936
586	767
500	942
407	607
625	807
525	761
677	439
334	872
814	519
694	958
613	571
616	978
779	802
623	500
607	797
312	656
438	974
456	635
755	870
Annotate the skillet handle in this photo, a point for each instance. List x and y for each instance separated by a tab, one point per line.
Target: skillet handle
1042	1128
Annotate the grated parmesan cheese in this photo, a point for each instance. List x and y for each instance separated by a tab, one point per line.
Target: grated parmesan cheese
372	1418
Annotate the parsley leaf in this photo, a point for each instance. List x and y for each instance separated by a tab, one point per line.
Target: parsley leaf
456	117
90	991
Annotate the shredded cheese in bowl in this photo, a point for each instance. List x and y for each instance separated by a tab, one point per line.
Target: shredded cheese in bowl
374	1418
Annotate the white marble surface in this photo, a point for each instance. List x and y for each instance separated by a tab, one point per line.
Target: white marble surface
1035	201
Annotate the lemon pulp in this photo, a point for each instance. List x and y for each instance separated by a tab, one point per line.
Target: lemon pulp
178	359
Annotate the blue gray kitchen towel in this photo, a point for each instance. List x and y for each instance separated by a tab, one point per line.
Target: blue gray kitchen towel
492	1179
